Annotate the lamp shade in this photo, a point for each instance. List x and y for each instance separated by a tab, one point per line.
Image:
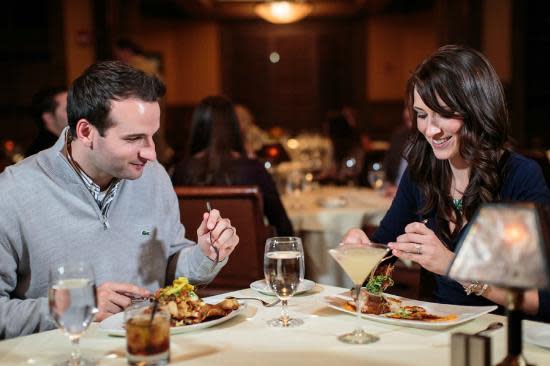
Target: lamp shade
506	244
283	12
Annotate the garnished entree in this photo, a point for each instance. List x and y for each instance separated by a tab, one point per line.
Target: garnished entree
378	303
186	307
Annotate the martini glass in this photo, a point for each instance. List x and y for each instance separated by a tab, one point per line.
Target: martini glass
358	260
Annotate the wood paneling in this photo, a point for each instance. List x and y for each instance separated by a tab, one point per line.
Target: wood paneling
31	57
316	71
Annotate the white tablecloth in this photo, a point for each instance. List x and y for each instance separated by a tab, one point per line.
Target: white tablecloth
247	340
322	228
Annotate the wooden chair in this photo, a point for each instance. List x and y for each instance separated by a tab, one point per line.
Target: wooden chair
244	207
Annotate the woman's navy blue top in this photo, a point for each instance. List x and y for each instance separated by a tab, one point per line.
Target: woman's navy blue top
523	181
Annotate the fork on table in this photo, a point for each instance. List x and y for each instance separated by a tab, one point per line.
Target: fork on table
216	249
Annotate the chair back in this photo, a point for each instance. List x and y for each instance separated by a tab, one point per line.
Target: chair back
244	207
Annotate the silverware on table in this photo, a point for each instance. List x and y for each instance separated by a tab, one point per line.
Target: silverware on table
490	327
264	303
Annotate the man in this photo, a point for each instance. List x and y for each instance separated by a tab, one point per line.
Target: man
99	196
49	110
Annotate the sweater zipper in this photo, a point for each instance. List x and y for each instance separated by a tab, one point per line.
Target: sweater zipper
105	222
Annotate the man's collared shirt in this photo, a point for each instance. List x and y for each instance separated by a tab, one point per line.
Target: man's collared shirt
103	199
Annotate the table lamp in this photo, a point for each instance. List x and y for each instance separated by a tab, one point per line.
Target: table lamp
507	245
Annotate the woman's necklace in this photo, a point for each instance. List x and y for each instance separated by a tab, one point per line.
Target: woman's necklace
457	202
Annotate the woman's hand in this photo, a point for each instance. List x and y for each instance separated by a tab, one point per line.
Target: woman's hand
420	244
355	236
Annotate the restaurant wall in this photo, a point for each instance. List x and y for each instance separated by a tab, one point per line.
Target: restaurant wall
496	40
78	37
190	53
31	57
395	45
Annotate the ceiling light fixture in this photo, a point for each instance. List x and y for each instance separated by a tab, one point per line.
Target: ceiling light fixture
283	12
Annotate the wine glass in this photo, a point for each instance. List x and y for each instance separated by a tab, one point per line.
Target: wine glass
349	170
376	176
358	260
284	270
295	187
73	303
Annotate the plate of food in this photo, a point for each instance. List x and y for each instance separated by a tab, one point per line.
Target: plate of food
397	310
188	311
262	287
539	335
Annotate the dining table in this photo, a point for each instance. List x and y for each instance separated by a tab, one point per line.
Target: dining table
246	339
322	215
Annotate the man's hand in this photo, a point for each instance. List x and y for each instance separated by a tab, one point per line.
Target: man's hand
224	236
114	297
355	236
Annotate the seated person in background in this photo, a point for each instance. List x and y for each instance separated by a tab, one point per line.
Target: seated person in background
394	160
99	196
253	136
459	157
49	111
216	157
347	152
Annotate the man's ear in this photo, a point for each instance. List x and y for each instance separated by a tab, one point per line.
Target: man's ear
85	132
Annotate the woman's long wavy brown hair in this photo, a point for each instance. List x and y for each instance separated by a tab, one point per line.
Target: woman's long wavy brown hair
468	85
215	133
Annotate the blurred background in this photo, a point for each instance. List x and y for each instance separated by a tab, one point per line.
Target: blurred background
352	55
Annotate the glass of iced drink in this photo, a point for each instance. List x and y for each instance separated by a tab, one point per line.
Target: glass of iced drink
147	336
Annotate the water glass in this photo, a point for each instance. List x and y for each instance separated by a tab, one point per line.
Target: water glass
284	271
73	303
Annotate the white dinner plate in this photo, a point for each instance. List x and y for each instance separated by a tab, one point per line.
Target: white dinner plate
539	335
463	313
262	287
113	325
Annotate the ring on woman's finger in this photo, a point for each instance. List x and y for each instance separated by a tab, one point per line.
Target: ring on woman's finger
418	248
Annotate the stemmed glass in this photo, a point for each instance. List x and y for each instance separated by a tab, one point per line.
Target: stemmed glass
358	260
349	170
294	187
284	270
73	303
376	176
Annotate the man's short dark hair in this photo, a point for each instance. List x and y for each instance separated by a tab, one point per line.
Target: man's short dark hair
44	101
91	93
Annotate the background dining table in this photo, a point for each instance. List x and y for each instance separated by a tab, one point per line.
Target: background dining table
247	340
322	216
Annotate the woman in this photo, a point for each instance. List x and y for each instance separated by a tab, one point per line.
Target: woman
216	157
459	157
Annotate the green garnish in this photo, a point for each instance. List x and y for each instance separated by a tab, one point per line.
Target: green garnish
180	284
403	313
379	284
